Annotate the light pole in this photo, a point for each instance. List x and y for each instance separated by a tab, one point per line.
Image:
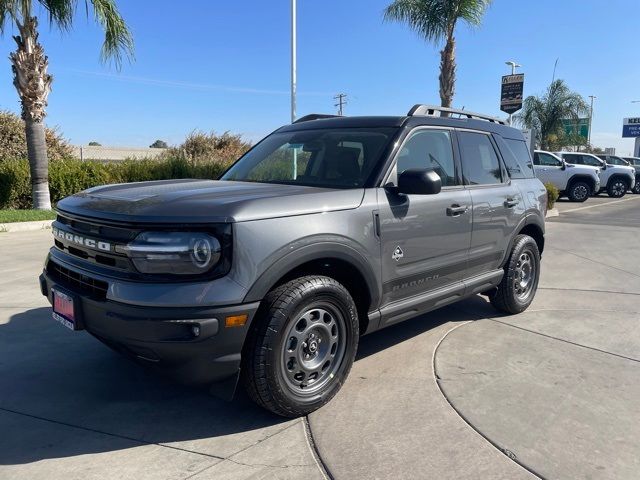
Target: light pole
294	60
592	97
513	65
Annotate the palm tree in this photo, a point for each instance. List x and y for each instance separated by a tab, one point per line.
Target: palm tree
544	114
435	21
29	64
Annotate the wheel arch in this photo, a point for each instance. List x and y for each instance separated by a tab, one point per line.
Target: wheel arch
343	263
531	226
617	176
589	180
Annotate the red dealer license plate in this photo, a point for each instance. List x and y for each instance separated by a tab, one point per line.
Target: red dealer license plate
64	310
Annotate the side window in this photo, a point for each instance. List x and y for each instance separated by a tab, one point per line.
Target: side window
575	159
588	160
480	164
536	158
549	161
429	149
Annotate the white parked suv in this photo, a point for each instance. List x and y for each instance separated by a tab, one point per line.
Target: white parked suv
615	179
578	182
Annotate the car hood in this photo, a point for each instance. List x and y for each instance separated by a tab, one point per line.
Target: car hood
205	201
588	169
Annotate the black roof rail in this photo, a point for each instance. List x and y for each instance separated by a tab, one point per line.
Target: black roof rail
315	116
433	111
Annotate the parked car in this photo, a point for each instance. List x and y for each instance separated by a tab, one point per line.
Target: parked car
327	229
578	182
635	163
615	179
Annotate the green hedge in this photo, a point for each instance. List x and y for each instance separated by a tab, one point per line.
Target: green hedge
67	177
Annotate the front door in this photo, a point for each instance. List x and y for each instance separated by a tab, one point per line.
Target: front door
549	169
425	238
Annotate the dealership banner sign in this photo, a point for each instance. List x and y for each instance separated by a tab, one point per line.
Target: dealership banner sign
511	94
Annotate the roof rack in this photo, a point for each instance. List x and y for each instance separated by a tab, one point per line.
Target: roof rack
314	116
433	111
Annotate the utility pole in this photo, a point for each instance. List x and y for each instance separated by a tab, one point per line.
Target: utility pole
513	65
592	97
294	60
341	98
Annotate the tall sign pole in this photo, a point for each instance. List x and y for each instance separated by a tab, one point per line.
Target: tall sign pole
294	60
592	97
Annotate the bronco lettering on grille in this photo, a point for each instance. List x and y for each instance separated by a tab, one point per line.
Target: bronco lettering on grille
80	240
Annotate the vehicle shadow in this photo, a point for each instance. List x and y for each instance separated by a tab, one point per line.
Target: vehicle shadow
64	394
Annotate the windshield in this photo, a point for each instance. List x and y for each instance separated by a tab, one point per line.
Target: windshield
333	158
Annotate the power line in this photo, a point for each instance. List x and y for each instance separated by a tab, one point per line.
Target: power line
341	98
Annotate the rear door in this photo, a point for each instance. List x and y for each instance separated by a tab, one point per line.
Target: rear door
425	238
497	203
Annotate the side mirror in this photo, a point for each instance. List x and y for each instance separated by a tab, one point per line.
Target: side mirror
564	165
419	181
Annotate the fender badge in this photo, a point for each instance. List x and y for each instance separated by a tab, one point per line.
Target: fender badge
397	254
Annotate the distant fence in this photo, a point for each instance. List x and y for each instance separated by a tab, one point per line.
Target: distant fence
114	154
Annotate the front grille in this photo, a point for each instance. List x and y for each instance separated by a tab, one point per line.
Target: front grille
78	282
96	232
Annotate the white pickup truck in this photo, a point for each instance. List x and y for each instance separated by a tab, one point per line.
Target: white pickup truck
578	182
615	179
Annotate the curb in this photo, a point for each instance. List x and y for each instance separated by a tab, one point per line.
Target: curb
552	213
25	226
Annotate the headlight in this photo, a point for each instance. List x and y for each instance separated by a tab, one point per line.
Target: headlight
179	253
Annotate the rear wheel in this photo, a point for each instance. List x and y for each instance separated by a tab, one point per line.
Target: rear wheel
303	346
579	191
636	187
617	188
521	276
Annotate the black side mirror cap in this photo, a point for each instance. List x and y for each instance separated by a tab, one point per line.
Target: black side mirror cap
419	181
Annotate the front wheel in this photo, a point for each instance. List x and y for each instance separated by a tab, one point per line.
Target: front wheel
617	188
521	276
303	346
579	191
636	187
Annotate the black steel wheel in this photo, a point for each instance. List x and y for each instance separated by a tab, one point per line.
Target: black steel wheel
521	276
302	347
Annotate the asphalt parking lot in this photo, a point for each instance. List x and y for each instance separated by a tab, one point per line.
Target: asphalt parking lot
461	393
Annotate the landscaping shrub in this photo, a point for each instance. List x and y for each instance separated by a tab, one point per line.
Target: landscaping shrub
552	195
70	176
13	142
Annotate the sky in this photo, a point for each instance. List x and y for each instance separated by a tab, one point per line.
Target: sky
224	66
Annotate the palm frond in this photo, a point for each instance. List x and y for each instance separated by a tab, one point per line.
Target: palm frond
118	40
434	20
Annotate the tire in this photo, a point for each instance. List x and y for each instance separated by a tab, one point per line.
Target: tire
617	187
579	191
285	348
636	187
513	295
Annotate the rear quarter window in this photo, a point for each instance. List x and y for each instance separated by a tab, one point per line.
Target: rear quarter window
517	157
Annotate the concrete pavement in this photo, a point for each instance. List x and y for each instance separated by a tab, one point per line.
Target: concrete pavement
551	391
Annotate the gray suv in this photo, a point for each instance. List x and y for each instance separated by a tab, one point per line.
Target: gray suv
328	229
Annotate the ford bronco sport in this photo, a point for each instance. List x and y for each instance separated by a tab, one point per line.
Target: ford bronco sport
327	229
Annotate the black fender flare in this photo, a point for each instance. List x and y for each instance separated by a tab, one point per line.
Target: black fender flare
316	251
530	219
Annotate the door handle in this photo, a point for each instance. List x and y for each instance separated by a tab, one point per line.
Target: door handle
511	202
456	210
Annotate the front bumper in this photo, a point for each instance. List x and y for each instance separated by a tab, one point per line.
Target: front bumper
164	337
